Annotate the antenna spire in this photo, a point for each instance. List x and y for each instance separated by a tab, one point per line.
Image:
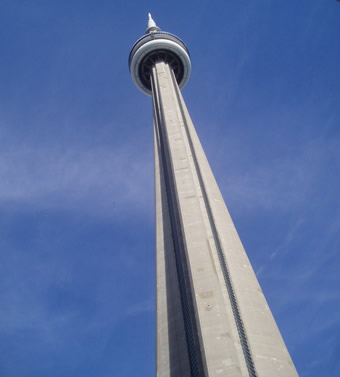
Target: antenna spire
152	27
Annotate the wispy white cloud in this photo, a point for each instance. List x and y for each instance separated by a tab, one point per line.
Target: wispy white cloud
278	184
142	307
75	176
284	245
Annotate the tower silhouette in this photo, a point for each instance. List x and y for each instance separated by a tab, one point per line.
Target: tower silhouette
212	317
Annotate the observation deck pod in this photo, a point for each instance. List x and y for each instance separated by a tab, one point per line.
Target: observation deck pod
157	46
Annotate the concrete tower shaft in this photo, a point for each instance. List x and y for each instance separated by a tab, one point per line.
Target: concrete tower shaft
212	317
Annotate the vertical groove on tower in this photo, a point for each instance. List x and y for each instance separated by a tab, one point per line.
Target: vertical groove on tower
221	255
190	324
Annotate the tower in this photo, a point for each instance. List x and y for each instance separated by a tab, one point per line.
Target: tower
212	317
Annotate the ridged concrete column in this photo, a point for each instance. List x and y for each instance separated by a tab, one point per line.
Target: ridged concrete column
212	318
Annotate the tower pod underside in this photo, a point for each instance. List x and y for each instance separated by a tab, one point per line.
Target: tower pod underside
154	47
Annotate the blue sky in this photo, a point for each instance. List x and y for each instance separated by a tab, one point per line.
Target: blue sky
76	174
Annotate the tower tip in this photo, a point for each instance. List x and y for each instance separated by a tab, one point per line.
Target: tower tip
151	25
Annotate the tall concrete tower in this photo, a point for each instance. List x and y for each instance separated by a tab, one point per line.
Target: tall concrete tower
212	317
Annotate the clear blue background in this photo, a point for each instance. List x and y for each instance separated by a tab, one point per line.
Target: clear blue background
76	174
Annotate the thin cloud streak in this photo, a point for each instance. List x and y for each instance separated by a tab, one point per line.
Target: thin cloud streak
278	184
76	177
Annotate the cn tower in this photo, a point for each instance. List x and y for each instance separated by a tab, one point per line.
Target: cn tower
212	317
